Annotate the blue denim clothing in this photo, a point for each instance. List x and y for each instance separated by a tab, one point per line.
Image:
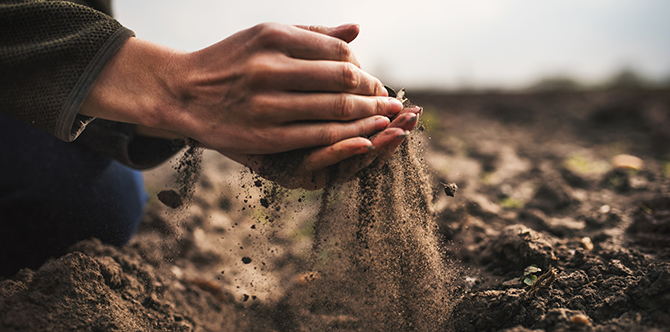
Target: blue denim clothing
53	194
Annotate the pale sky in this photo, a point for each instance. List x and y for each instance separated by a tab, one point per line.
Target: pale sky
442	44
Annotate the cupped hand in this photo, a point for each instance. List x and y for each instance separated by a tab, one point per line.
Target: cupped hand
338	162
313	168
275	88
266	90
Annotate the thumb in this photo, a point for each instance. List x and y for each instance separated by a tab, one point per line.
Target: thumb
345	32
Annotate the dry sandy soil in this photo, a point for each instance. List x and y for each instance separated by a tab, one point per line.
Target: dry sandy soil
537	186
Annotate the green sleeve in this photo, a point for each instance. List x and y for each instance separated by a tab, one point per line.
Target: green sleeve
51	52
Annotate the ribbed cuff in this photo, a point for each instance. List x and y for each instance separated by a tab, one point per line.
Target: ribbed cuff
71	124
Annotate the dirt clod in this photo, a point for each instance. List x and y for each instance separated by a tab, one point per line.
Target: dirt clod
170	198
450	189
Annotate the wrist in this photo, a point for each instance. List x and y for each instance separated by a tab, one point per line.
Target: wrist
137	86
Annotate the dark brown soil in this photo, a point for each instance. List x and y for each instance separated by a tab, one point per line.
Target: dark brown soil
388	252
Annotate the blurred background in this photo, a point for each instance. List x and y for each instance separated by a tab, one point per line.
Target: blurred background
450	45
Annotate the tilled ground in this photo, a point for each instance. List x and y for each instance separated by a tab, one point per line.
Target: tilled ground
540	188
537	186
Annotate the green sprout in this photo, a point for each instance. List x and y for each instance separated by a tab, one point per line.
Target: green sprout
666	170
530	274
582	164
511	203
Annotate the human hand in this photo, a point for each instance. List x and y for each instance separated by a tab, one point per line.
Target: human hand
313	168
275	88
339	162
268	89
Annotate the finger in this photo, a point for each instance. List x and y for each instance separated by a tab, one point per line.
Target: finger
412	109
333	154
312	172
290	107
344	32
405	121
311	134
381	141
304	44
331	76
386	153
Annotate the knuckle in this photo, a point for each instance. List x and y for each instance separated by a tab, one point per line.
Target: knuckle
344	106
259	69
264	140
329	135
350	75
343	50
362	128
378	88
258	108
316	28
271	34
381	105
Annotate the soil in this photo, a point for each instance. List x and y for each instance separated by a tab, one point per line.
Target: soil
390	250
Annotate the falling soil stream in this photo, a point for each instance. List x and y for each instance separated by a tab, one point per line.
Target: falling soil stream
377	254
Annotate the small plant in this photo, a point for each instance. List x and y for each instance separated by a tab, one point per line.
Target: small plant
511	203
583	164
530	274
666	170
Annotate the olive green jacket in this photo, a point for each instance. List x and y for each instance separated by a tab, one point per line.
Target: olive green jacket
51	52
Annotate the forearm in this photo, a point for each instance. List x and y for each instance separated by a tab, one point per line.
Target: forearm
135	86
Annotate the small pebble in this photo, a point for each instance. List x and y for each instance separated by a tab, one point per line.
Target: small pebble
587	243
604	209
627	162
170	198
450	189
580	320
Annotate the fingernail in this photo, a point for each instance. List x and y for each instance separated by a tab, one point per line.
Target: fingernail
381	122
365	149
346	26
415	109
413	118
403	135
395	106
